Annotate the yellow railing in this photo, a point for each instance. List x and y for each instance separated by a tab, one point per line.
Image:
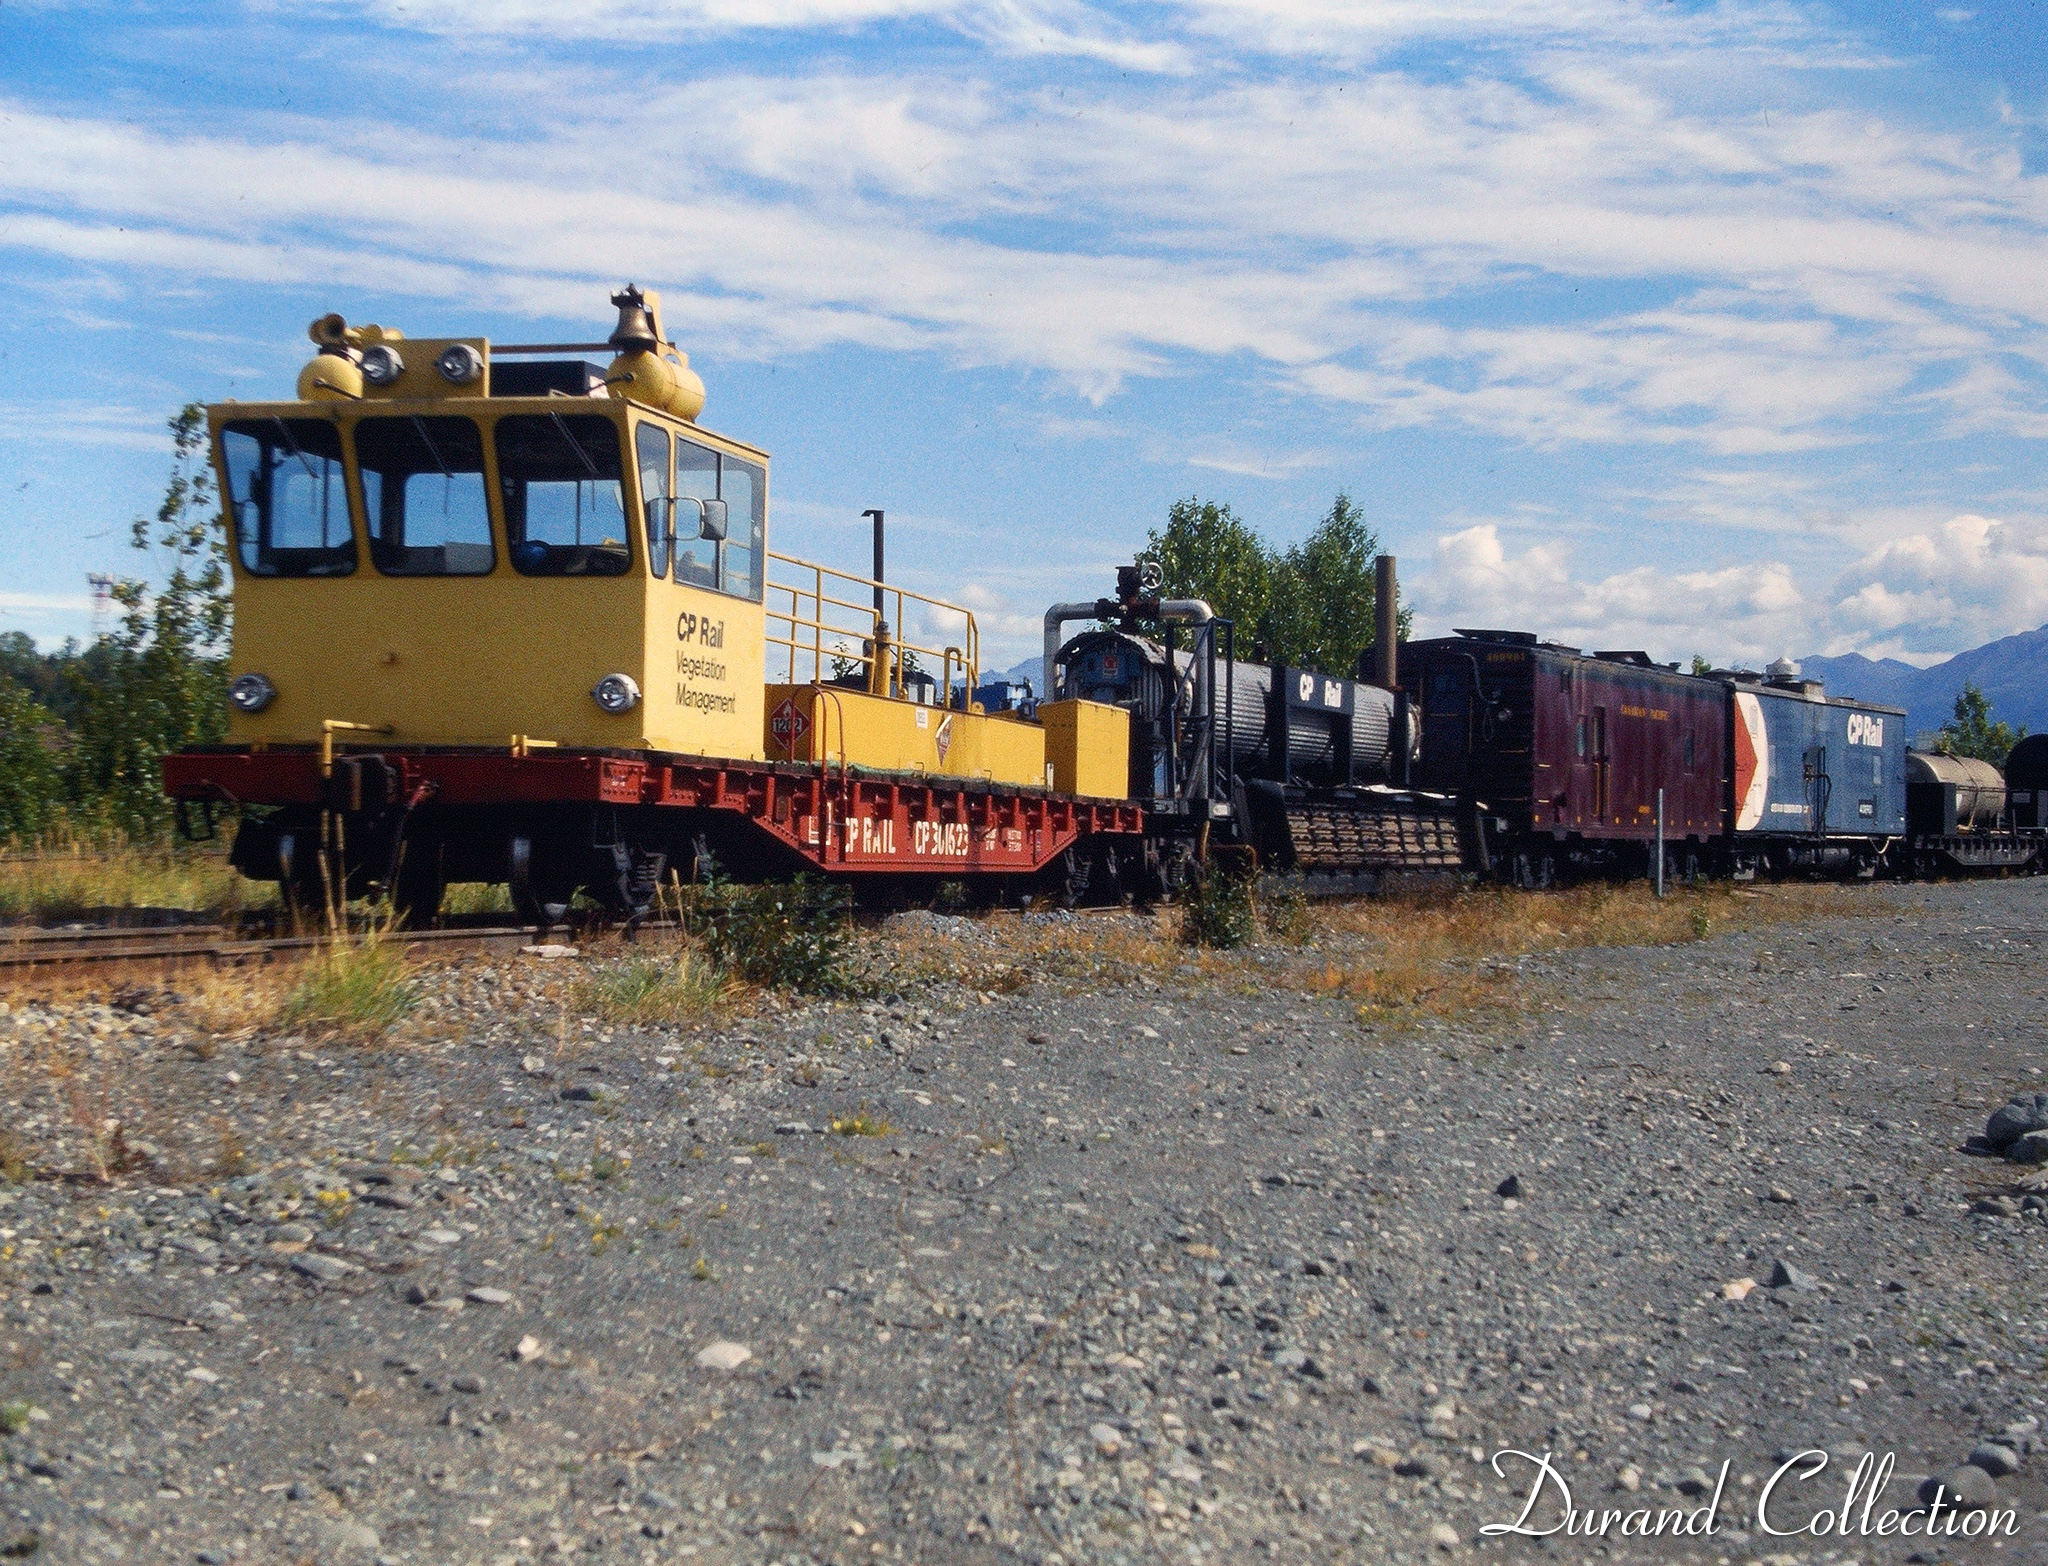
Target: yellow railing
829	617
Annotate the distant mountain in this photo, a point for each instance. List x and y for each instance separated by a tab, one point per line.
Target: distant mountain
2012	672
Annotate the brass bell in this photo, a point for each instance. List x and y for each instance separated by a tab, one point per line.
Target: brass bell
637	328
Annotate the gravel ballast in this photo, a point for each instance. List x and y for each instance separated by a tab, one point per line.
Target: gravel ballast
1170	1267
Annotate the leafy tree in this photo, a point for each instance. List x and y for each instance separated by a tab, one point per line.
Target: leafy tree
1206	552
29	784
1700	665
164	683
1972	733
1311	606
1323	608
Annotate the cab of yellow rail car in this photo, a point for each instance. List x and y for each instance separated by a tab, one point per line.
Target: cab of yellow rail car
441	545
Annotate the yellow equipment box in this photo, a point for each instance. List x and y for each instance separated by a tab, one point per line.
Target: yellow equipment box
840	724
1088	745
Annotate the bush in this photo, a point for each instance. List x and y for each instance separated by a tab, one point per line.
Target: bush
795	936
1289	916
355	989
1217	909
647	987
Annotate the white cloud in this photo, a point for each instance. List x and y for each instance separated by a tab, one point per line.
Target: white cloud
1921	597
1404	244
1974	579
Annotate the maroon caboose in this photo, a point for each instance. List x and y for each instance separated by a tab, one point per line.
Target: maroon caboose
1567	750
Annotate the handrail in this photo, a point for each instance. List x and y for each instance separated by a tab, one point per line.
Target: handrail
855	631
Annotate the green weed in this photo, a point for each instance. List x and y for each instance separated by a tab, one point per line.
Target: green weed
1217	908
352	989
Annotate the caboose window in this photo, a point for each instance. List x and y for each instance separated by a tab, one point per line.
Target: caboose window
743	486
423	491
565	514
287	497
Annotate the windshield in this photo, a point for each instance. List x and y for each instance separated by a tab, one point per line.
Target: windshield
286	497
423	490
564	508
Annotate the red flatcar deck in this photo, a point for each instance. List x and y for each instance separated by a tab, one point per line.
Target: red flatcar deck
840	821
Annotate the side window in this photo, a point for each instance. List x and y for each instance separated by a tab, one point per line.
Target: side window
423	492
287	497
744	486
1579	737
1688	751
564	505
650	445
696	477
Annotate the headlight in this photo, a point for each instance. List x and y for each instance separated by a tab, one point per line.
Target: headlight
460	364
615	693
382	365
252	693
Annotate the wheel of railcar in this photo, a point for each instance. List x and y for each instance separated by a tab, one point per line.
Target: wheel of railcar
541	891
417	889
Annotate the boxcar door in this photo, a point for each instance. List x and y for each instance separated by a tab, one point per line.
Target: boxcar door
1447	721
1602	765
1818	787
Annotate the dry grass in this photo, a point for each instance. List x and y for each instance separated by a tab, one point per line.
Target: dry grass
655	986
58	883
1433	952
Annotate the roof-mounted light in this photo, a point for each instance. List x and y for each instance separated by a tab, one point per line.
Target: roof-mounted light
460	364
382	365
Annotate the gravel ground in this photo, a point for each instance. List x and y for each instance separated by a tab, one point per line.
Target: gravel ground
1148	1270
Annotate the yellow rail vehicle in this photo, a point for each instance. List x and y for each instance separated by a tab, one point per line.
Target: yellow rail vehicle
509	615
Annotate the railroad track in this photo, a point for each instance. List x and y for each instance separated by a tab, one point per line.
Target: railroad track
219	946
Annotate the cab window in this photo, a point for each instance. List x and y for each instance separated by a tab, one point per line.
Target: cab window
744	488
697	479
650	445
287	497
423	492
565	513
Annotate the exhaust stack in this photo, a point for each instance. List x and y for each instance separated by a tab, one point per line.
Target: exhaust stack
1387	612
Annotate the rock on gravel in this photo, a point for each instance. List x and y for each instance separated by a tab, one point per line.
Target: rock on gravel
2030	1147
724	1355
1786	1276
1997	1461
1966	1488
323	1269
2022	1113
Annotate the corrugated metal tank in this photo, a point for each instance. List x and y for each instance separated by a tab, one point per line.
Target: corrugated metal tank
1311	734
1978	791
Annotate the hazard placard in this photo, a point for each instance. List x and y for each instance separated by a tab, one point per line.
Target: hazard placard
787	725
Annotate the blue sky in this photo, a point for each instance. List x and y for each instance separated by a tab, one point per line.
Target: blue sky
1716	328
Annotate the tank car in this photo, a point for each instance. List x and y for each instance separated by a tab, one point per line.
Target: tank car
1308	769
1965	817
